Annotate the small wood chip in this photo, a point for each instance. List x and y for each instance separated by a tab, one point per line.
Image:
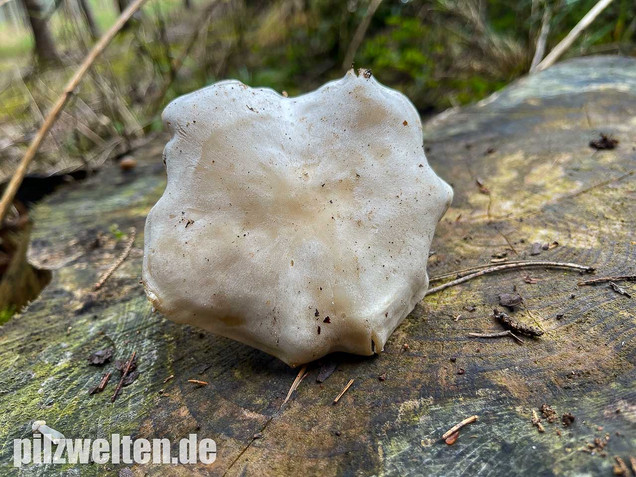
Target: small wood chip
102	384
620	468
198	382
482	188
168	378
457	427
335	401
536	421
326	370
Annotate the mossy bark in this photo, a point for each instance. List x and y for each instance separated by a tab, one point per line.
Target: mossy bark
529	147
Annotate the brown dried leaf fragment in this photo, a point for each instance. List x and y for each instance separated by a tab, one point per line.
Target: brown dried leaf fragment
450	440
510	300
100	357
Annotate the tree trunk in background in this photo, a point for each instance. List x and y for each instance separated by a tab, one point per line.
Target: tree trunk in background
44	45
121	5
187	4
88	16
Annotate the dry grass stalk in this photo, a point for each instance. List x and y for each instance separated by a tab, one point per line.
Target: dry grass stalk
49	121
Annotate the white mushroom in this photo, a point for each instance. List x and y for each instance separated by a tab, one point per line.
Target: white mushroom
299	226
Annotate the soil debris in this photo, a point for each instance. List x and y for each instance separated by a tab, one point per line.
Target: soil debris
550	246
482	188
549	414
567	419
536	248
604	142
198	382
510	300
513	325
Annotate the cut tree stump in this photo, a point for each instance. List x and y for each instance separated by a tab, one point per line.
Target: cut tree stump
528	146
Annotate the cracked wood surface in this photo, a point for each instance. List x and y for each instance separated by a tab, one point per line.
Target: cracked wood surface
528	145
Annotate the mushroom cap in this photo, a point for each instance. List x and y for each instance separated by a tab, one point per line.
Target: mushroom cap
299	226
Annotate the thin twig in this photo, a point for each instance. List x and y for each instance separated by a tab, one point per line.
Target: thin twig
123	376
198	382
118	262
536	421
358	36
564	44
175	65
541	41
510	266
521	328
620	278
499	334
457	427
466	271
299	377
621	468
102	384
619	290
346	388
14	184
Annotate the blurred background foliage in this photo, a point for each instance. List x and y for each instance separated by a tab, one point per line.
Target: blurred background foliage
441	53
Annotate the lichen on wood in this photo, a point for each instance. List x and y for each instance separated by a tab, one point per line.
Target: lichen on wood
546	184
